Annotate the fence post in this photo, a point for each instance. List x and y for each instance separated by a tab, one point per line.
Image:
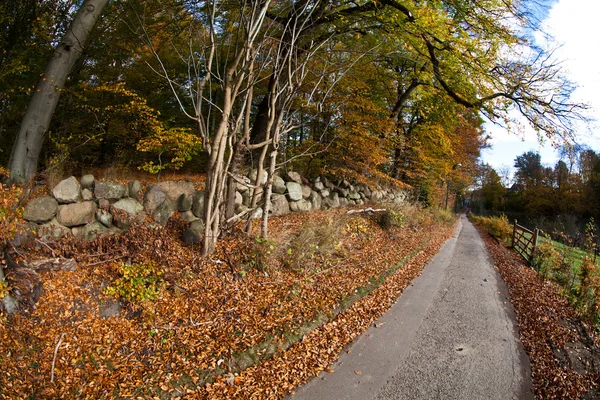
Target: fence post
535	242
514	234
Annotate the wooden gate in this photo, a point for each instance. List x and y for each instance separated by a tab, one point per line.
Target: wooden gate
524	241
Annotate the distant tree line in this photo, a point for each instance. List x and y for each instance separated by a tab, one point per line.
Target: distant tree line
564	196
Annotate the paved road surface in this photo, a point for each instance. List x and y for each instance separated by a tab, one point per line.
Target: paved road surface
451	335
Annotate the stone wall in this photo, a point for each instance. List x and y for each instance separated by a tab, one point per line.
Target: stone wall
87	208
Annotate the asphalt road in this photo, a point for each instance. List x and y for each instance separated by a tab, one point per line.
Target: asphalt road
451	335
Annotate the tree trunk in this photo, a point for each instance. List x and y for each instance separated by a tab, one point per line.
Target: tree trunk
28	145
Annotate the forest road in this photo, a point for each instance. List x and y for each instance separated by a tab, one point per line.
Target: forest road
451	335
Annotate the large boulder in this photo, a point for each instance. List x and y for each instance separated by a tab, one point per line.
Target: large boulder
111	191
41	209
87	182
70	215
333	201
134	188
238	199
52	231
89	231
130	206
300	205
294	191
193	234
294	177
174	189
188	216
153	198
253	175
87	195
278	185
279	205
104	217
198	203
125	211
184	202
306	191
316	200
67	191
163	212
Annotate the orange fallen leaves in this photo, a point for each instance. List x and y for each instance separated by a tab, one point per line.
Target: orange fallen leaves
214	332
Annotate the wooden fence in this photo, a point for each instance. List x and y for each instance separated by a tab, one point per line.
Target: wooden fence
524	241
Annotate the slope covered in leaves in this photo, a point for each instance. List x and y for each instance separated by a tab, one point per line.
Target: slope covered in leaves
565	361
240	323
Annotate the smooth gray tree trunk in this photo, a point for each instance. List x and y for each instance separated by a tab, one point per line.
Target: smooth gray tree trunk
28	145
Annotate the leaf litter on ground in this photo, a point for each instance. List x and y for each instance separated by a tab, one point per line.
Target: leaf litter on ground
223	327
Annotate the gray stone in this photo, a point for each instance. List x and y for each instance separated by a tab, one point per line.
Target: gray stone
368	192
193	234
134	188
87	195
324	193
153	198
11	304
319	185
238	198
109	190
343	192
360	202
130	206
110	308
354	195
333	201
89	231
241	187
70	215
279	205
198	203
163	212
300	206
246	198
316	200
184	202
40	209
103	204
278	185
328	184
345	184
240	208
87	182
253	175
188	216
294	191
24	234
52	231
306	191
67	191
174	189
344	202
104	217
258	213
126	211
294	177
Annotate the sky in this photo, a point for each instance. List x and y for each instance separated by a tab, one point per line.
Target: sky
575	28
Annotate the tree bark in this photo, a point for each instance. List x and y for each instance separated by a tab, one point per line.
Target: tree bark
27	148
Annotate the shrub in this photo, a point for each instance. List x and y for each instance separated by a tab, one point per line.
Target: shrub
499	227
314	243
137	282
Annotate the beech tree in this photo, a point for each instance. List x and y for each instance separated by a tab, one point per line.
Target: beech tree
28	145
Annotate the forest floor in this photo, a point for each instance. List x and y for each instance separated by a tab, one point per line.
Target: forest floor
254	320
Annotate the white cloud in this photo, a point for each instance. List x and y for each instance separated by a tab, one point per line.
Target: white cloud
574	26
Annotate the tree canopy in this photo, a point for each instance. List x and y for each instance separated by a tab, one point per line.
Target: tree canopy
380	91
